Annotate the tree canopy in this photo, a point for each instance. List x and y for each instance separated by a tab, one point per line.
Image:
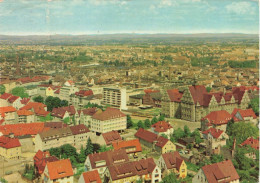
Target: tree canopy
20	91
254	104
2	89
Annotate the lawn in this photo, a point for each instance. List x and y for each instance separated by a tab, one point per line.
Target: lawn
192	167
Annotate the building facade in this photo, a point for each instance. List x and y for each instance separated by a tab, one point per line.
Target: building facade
115	97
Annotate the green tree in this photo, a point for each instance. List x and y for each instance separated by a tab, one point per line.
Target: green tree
39	99
165	136
2	89
161	117
89	148
82	155
20	91
229	127
104	148
170	178
129	121
177	134
215	158
208	89
147	123
96	147
140	124
66	120
154	120
196	135
187	131
254	104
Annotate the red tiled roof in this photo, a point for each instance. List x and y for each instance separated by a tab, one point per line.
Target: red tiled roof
175	95
221	170
37	107
59	169
111	137
7	109
25	101
9	143
6	96
84	93
91	177
161	126
244	113
214	132
254	143
79	129
12	99
197	93
161	141
23	129
109	113
128	144
147	91
144	166
89	111
60	112
24	113
57	91
218	117
146	135
172	160
33	79
41	159
121	171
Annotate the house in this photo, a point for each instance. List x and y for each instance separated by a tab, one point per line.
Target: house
172	162
10	147
254	143
82	98
100	161
244	115
74	135
152	141
8	115
218	119
85	115
41	159
63	112
4	99
218	172
109	138
152	98
90	177
108	120
215	139
15	101
58	171
39	109
132	147
25	116
123	172
147	170
162	127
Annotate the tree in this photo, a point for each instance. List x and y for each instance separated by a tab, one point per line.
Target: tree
177	134
19	91
96	147
147	123
154	120
104	148
2	89
170	178
129	121
208	89
82	156
187	131
161	118
89	148
229	127
254	104
39	99
64	103
215	158
140	124
196	135
66	120
165	136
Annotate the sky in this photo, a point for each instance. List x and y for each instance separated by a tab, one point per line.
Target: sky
78	17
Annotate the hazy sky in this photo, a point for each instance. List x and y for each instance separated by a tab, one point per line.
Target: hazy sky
25	17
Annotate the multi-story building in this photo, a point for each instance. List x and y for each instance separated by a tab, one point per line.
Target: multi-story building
10	148
223	171
115	97
195	102
108	120
25	116
8	115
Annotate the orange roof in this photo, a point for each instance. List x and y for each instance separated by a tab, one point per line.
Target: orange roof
161	126
243	113
254	143
91	176
37	107
24	113
7	109
127	144
218	117
60	169
214	132
109	113
9	143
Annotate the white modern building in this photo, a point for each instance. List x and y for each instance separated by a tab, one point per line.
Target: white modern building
115	97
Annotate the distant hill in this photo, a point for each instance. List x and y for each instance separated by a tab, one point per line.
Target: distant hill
124	38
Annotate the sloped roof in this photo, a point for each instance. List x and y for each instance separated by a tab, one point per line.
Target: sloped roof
161	126
5	96
91	177
172	160
121	171
161	141
12	99
222	170
174	95
244	113
79	129
37	107
144	166
109	113
89	111
7	109
146	135
24	113
129	143
112	136
9	143
41	159
218	117
84	93
254	143
60	169
60	112
214	132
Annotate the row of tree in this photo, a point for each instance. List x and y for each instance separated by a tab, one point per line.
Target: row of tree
51	102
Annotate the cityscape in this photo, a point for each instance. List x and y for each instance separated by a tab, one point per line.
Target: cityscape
124	91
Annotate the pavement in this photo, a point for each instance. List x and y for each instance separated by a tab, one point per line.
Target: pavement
15	178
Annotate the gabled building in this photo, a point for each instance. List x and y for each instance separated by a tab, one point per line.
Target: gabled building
244	115
10	148
108	120
25	116
152	141
217	119
8	115
90	177
58	171
215	139
253	143
172	162
147	170
218	172
64	112
85	116
39	109
100	161
109	138
162	127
